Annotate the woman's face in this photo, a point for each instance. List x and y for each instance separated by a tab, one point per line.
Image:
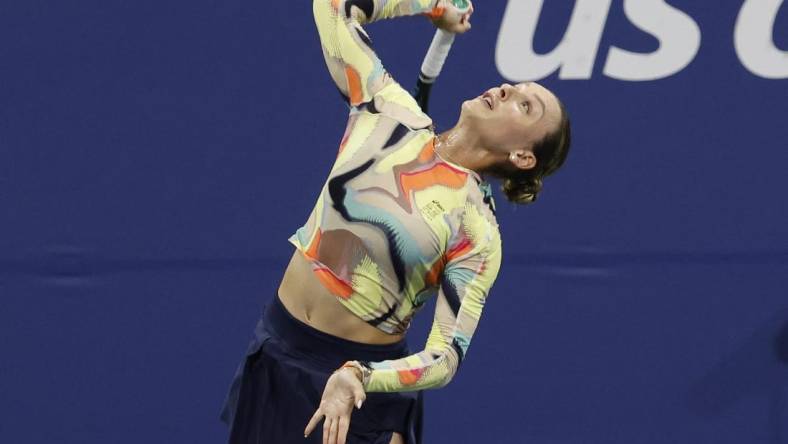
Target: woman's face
512	118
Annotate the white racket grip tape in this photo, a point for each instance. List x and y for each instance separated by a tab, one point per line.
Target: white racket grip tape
436	55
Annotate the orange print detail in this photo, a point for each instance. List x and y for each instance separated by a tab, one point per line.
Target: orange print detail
311	250
427	152
334	284
409	377
435	272
436	13
354	86
440	174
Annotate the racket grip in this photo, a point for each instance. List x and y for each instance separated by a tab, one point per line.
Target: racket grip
436	55
431	66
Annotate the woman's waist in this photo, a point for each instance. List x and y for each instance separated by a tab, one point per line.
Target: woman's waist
301	339
309	301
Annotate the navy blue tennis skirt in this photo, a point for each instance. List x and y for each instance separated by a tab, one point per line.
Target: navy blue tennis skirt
278	386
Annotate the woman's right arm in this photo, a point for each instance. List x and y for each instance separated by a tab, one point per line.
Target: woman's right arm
352	63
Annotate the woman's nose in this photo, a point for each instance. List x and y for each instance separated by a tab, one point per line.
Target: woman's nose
506	90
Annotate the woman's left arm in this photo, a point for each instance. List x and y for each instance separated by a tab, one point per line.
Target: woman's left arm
472	266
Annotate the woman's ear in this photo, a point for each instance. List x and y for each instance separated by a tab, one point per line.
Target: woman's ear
522	159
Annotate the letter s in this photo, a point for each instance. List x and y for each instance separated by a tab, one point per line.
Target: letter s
679	39
753	39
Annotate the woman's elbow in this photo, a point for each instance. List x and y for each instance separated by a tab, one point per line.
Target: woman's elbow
450	367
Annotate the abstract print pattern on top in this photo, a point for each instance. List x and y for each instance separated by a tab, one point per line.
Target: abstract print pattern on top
395	224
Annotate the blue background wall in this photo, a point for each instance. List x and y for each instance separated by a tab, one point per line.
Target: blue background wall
155	155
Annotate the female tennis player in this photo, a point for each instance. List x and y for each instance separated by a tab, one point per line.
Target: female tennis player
405	215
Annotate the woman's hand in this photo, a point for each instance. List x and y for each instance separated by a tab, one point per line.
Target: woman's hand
449	18
343	391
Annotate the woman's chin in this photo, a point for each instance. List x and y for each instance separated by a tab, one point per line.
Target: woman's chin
469	109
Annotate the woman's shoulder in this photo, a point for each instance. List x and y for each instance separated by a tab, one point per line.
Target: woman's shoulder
480	203
477	220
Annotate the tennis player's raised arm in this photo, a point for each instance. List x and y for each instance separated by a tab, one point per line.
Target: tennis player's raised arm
352	63
473	264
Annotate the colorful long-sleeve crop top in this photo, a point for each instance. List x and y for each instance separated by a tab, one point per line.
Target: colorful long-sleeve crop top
395	224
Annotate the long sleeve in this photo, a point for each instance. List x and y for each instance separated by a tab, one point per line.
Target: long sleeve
352	63
472	264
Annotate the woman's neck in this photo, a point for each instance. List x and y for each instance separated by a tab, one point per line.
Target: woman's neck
460	147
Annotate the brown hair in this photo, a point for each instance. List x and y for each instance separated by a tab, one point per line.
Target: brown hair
524	185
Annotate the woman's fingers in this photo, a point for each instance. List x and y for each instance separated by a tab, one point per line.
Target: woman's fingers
332	431
466	19
461	28
464	25
313	422
450	18
343	389
359	395
344	425
326	429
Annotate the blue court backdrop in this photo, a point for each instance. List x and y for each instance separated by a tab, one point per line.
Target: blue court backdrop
155	156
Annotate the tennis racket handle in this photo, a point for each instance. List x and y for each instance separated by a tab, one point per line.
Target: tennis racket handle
436	55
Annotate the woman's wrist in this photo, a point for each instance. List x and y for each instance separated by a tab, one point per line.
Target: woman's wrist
354	370
360	370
